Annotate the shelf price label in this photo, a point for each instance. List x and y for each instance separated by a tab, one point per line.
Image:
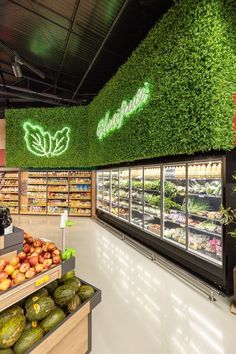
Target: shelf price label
42	280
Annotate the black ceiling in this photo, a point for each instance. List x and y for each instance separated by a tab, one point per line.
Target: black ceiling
77	44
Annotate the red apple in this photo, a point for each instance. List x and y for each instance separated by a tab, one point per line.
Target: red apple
14	274
56	259
3	263
22	256
38	250
39	268
30	239
33	260
30	273
47	255
56	252
41	258
45	247
14	260
17	266
32	249
3	275
24	267
12	283
47	263
51	247
5	284
34	254
38	243
26	248
9	269
19	278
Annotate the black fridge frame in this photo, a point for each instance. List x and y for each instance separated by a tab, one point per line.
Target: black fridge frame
220	278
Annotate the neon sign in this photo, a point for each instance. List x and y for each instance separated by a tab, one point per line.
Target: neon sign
41	143
108	125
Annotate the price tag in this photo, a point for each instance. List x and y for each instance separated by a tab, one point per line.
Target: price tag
42	280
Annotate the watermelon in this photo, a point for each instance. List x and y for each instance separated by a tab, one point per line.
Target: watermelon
39	309
6	351
52	320
85	292
63	294
11	331
27	340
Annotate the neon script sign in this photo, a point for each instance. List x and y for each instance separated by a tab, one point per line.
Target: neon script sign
41	143
108	125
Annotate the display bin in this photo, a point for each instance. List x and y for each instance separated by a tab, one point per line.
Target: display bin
14	238
11	251
67	265
73	335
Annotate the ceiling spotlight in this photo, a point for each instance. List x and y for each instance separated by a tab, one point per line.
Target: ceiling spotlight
16	69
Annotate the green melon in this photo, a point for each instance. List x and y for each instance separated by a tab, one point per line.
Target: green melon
40	309
51	287
27	340
35	296
63	294
85	292
11	331
6	351
68	275
8	313
74	283
52	320
73	304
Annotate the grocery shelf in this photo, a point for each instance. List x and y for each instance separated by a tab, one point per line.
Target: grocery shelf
33	212
210	233
170	240
205	256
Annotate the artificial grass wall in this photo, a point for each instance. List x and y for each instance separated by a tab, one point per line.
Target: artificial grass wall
189	61
51	120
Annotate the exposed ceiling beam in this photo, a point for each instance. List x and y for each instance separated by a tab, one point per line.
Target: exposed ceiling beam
66	44
7	93
100	48
38	95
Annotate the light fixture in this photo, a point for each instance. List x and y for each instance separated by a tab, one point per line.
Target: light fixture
16	69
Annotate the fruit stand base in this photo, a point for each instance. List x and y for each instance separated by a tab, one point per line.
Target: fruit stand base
74	334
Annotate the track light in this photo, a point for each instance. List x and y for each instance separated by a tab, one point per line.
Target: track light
16	69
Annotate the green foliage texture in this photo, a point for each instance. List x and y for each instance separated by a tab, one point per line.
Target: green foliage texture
189	60
52	120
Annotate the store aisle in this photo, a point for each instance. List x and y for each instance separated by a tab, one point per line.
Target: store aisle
144	309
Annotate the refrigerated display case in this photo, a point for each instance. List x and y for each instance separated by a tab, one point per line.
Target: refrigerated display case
174	208
114	190
106	190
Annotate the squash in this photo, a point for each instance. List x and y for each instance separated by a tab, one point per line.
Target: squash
40	309
27	340
11	331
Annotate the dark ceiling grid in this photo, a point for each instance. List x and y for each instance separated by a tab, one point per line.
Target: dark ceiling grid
78	45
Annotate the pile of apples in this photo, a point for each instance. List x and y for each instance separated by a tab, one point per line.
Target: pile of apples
37	256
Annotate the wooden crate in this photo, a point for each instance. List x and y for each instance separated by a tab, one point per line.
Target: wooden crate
73	335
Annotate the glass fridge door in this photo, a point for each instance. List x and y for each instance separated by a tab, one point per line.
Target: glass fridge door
152	200
106	191
204	202
115	192
100	189
124	194
174	204
137	196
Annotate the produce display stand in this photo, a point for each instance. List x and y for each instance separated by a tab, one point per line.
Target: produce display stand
73	334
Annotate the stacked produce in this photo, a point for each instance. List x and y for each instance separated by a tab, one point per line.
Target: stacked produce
36	257
24	324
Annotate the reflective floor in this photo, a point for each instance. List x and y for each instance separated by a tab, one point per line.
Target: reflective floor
144	309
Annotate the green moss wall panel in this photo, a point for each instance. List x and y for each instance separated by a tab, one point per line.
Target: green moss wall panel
51	120
189	60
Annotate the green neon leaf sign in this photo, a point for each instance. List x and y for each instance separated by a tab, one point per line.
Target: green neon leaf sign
107	125
41	143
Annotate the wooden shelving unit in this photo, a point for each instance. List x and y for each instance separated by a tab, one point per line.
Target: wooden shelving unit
9	190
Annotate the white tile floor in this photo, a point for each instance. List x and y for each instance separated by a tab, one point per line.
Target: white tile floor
144	309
